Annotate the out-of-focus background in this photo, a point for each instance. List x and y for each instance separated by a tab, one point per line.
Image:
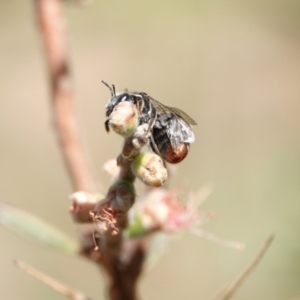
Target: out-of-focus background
234	66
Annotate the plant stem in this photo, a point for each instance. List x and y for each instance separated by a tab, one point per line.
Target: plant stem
52	27
122	274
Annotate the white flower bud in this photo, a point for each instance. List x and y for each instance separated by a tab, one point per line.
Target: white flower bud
124	119
150	169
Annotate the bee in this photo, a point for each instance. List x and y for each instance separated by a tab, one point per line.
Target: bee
169	133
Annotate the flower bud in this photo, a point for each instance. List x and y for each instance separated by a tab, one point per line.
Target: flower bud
112	169
150	169
82	203
124	119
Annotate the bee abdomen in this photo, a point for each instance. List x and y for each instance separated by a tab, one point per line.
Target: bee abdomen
174	155
161	145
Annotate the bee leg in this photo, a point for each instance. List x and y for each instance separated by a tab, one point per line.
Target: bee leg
140	136
151	123
139	141
136	143
106	124
139	104
165	164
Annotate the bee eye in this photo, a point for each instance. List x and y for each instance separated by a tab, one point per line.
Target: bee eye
124	98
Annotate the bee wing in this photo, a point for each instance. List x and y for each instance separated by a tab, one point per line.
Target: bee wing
179	128
178	112
182	115
180	132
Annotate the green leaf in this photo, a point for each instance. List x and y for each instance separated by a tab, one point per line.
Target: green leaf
34	229
136	227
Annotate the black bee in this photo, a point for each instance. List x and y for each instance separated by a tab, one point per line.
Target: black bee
169	128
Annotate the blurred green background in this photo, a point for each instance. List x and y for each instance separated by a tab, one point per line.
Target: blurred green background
234	66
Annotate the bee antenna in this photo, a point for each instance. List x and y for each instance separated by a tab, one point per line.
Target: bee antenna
112	89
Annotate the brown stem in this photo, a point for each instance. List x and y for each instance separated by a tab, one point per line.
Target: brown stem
229	291
57	286
123	271
52	27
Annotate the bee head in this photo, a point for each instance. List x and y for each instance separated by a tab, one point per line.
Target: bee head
116	99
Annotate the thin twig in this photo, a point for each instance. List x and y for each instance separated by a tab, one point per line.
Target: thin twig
51	282
214	239
229	291
52	28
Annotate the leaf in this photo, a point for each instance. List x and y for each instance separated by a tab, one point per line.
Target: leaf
34	229
136	227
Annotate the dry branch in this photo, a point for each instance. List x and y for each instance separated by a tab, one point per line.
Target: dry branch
51	282
229	291
52	27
